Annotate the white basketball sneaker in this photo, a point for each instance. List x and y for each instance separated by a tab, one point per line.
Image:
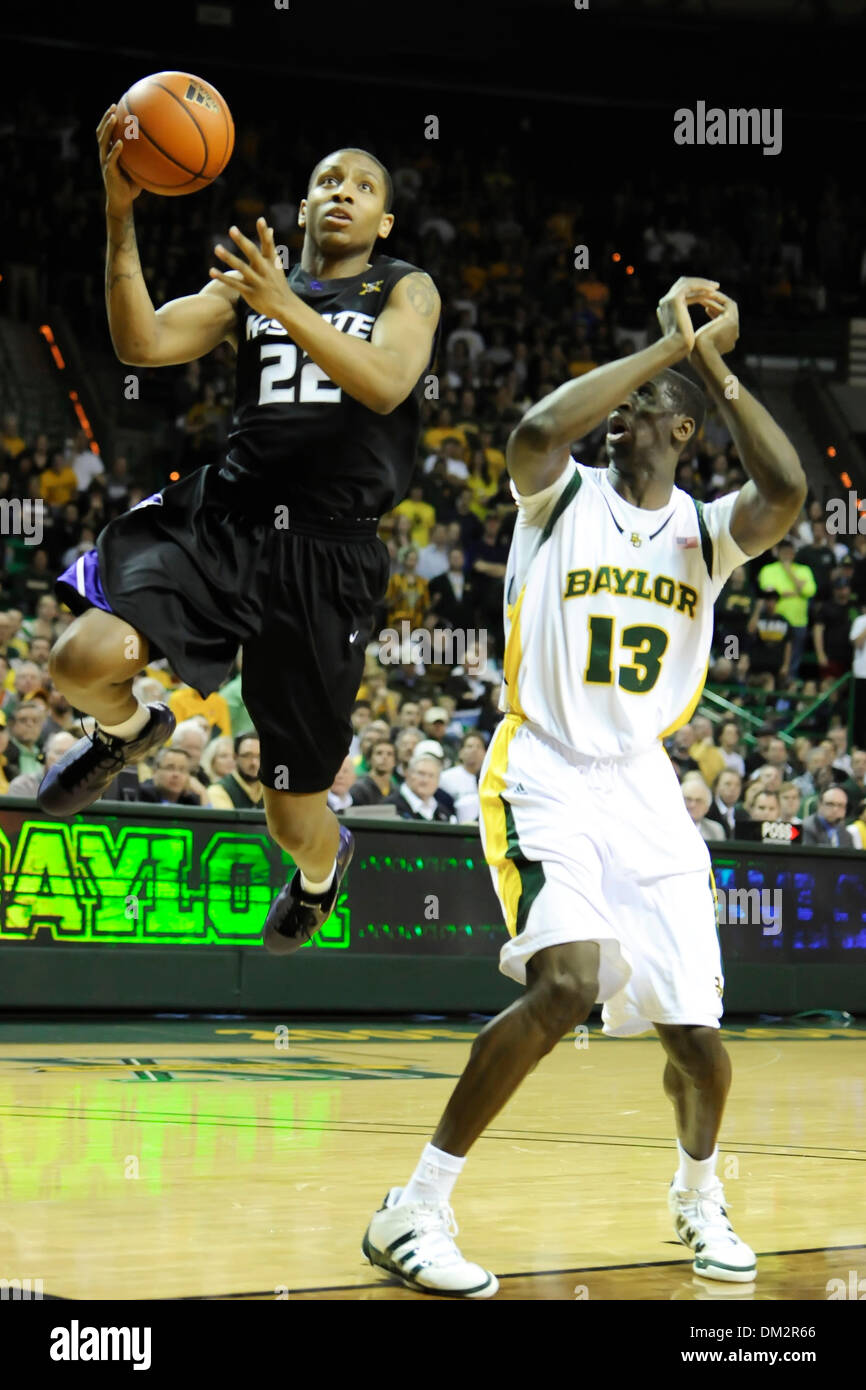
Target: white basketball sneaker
701	1222
415	1242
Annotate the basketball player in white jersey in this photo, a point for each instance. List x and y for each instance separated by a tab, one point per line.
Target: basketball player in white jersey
604	880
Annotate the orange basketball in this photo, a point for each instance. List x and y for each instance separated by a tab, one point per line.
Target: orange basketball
177	132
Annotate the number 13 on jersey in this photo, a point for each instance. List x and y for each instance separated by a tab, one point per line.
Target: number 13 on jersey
649	645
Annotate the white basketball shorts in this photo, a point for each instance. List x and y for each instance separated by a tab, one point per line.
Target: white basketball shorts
603	850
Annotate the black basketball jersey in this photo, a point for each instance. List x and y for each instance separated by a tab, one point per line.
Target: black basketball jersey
296	438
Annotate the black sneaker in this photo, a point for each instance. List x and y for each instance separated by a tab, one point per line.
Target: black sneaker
82	774
296	915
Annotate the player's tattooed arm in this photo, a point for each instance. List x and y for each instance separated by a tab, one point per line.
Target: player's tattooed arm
770	502
422	294
539	448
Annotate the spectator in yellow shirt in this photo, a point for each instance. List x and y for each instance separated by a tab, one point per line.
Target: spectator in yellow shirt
408	595
11	442
421	515
185	702
58	482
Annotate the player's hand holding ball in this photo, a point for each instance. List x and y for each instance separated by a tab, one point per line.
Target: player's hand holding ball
120	191
723	330
673	309
262	281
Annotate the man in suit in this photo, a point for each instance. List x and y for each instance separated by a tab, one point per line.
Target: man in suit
724	808
697	796
826	826
420	797
451	593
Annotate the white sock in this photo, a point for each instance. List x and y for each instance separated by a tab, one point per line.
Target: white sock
310	885
434	1178
131	726
695	1172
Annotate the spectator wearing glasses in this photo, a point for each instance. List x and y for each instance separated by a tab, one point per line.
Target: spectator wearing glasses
827	825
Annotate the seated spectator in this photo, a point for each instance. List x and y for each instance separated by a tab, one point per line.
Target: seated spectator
697	796
4	744
420	514
408	595
58	482
678	746
452	594
461	781
764	804
857	828
790	800
376	729
768	776
409	715
826	826
171	782
729	741
27	783
725	808
855	783
240	788
436	722
360	717
340	794
433	558
193	739
708	757
404	746
185	702
60	714
776	755
25	730
380	782
825	778
217	760
419	797
241	723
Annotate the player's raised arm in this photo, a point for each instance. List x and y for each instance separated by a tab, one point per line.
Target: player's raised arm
538	448
770	502
143	336
379	373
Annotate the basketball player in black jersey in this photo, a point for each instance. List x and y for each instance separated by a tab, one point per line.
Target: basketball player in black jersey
276	549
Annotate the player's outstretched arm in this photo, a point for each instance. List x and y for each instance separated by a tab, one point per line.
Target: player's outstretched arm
379	373
143	336
538	448
770	502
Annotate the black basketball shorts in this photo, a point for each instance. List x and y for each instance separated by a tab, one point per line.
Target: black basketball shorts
198	581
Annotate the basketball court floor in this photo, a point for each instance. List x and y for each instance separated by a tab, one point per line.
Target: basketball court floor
238	1158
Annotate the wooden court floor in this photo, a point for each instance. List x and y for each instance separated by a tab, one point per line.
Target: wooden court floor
237	1158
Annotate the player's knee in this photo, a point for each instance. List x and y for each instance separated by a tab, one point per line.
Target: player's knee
70	662
559	1001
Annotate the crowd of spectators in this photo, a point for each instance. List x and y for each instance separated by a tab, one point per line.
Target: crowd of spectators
519	319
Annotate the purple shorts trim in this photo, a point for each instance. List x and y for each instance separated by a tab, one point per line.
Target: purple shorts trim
83	577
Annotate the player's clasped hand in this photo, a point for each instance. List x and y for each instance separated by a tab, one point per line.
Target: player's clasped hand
673	311
723	330
262	281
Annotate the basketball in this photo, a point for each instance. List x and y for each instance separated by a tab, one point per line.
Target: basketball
177	132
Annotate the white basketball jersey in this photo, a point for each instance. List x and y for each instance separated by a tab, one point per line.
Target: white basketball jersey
609	611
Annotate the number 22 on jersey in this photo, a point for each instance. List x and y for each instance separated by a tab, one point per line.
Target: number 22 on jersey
281	381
